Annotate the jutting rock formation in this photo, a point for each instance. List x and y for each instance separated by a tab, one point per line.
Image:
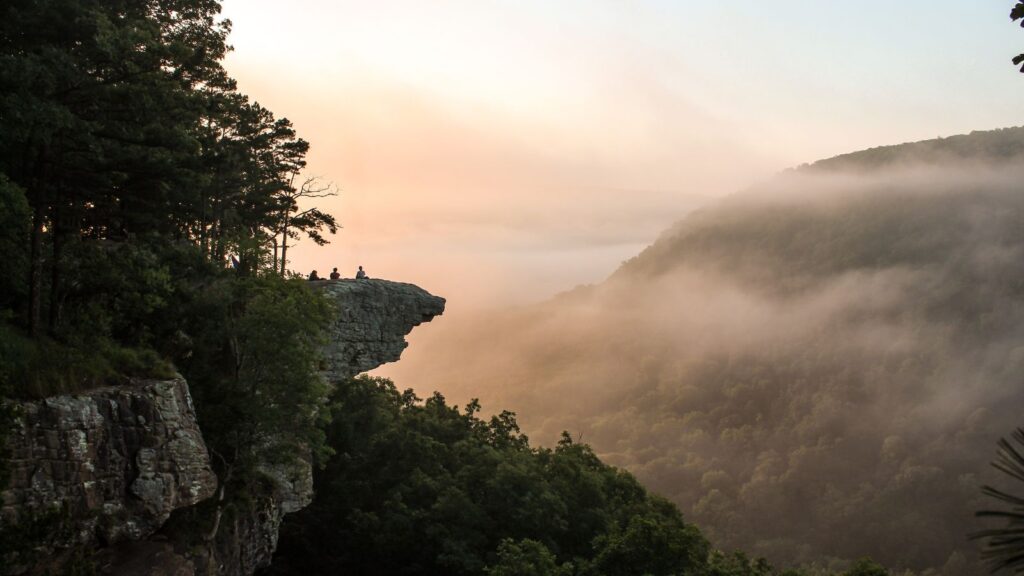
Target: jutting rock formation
106	468
373	318
369	328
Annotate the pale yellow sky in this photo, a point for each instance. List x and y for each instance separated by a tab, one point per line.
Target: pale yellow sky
499	152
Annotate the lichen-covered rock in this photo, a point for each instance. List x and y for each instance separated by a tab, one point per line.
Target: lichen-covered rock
114	461
373	318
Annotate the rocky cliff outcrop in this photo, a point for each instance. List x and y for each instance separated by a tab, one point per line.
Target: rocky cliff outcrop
111	465
106	466
373	318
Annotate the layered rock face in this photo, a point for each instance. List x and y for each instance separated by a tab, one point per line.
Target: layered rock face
373	318
106	466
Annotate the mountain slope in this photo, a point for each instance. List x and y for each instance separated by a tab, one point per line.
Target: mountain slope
813	369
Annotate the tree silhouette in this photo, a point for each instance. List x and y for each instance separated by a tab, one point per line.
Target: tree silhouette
1017	13
1005	545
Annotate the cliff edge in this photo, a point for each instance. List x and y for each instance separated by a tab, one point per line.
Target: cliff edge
105	469
370	323
373	318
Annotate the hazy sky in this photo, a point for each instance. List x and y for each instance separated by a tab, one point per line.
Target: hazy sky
498	152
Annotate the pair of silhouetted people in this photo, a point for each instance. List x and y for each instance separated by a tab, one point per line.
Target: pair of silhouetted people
360	275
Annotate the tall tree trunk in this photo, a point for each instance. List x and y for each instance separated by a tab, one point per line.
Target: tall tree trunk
203	240
223	482
284	245
215	241
35	274
274	240
56	233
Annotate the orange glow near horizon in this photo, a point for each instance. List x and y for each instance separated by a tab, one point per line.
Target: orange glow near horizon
498	152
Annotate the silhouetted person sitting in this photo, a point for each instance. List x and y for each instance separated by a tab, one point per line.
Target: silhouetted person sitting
360	275
335	275
313	276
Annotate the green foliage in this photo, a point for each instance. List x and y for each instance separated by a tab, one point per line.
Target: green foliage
113	290
657	542
738	564
250	349
526	558
252	368
421	488
125	139
866	567
33	369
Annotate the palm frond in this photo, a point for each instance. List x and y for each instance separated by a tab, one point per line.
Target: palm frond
1004	545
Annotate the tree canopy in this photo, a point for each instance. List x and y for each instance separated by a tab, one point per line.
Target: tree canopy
121	125
417	486
1017	13
143	201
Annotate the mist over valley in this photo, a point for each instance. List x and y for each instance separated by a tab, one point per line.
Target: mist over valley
814	368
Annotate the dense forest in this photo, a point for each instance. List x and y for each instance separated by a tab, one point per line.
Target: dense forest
422	487
814	369
147	211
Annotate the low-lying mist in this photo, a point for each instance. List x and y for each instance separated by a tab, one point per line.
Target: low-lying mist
814	369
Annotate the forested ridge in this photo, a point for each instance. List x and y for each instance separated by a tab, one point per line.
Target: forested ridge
814	369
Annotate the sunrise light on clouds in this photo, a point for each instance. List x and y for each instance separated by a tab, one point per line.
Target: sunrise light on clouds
511	150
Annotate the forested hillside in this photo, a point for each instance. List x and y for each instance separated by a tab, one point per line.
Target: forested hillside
422	487
816	368
146	207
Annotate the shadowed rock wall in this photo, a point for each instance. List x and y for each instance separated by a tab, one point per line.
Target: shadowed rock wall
106	466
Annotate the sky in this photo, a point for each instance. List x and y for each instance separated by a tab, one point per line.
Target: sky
497	153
